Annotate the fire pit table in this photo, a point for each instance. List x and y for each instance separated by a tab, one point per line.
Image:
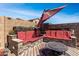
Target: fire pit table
53	49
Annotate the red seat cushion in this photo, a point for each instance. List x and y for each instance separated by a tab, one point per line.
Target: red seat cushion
46	36
34	39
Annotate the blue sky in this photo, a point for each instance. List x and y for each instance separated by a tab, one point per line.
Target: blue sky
27	11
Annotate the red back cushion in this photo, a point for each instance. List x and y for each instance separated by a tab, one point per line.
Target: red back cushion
66	35
69	34
36	33
47	33
21	35
53	33
29	35
59	34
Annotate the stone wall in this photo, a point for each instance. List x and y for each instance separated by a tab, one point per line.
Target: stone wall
66	26
1	32
7	24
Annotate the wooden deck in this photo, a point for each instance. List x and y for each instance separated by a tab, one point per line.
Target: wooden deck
31	51
34	51
72	51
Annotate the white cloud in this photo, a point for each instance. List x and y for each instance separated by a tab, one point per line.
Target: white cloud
28	14
24	12
64	18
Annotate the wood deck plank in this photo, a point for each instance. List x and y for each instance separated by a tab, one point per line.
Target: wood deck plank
72	51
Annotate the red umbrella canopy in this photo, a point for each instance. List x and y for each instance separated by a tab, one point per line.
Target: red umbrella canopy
49	13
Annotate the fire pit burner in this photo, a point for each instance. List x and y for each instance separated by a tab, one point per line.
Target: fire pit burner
53	49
